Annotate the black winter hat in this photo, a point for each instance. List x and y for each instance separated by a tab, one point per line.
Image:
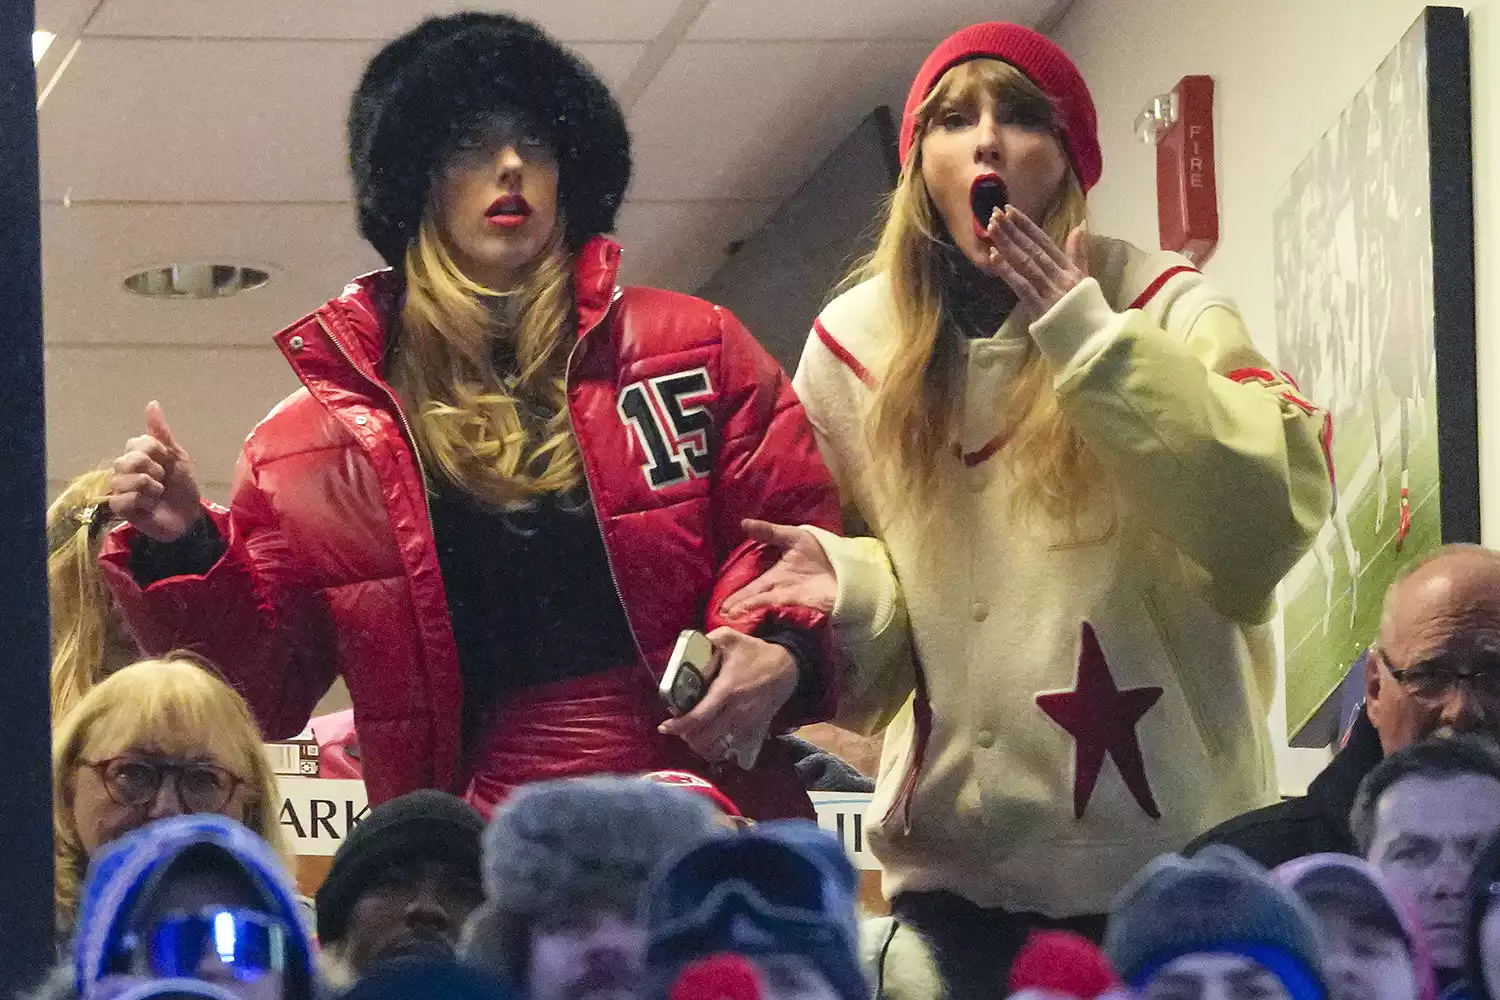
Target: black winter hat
425	89
421	825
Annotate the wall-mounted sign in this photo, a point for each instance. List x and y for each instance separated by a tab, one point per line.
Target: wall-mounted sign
318	813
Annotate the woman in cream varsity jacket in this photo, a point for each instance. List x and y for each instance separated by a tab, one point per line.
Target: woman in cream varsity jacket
1086	481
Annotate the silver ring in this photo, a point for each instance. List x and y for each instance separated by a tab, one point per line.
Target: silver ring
727	742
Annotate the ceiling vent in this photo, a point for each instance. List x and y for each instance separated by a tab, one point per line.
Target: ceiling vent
196	281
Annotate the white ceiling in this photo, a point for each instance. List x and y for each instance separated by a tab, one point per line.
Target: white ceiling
176	130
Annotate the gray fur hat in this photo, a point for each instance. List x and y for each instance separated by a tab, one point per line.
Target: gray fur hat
561	845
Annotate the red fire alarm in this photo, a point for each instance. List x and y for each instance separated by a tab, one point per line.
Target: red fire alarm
1187	208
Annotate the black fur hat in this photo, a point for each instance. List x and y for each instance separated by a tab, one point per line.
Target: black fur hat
425	89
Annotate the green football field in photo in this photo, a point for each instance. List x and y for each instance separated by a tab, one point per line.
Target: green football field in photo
1317	661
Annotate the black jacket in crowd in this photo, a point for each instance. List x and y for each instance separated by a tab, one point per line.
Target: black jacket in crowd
1318	822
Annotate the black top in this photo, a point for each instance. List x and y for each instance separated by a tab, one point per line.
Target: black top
529	592
978	304
532	598
1316	823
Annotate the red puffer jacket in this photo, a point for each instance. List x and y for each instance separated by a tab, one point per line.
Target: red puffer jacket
685	424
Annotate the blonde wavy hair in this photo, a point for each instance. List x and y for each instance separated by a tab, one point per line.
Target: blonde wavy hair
499	431
89	640
912	421
172	702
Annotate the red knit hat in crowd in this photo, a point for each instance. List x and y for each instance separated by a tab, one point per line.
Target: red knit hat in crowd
1062	962
1044	64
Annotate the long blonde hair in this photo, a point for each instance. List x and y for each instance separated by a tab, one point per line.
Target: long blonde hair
471	423
89	641
912	420
175	699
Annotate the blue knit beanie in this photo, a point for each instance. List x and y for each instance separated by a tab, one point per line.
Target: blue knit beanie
780	888
129	869
1221	902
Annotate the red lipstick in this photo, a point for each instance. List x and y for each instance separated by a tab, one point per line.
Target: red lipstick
509	211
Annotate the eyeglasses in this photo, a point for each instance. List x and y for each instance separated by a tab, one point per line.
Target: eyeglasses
1437	675
135	781
249	944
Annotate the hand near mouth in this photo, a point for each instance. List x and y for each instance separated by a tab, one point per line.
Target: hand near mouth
1036	269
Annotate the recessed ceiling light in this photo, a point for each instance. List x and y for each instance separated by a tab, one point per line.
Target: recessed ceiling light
196	281
39	42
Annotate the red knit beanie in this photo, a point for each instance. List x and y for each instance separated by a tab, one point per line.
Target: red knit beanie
1062	962
1044	64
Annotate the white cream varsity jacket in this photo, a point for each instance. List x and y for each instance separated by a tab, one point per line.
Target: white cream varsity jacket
1066	701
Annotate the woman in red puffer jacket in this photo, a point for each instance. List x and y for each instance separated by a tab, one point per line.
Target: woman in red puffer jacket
507	484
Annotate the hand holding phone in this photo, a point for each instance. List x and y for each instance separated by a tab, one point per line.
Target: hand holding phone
697	669
689	672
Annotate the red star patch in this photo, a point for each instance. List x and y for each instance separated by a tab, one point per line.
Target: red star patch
1102	719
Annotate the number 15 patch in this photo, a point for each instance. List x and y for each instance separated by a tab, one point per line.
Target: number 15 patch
670	419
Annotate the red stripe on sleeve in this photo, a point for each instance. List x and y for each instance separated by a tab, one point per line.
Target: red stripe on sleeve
842	353
1299	402
1160	280
1269	377
1252	375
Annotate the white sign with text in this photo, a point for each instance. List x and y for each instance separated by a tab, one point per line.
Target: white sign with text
318	813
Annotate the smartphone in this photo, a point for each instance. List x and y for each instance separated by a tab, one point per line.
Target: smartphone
688	673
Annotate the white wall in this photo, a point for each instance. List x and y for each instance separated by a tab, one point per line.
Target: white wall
1484	37
1283	70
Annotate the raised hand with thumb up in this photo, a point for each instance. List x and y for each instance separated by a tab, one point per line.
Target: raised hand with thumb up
153	486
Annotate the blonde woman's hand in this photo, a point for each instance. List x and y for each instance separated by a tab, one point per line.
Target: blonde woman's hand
801	576
154	487
1036	269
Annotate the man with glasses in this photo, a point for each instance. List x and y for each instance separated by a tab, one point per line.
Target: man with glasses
1435	667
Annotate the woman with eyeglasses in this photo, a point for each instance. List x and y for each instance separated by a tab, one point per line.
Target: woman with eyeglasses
192	897
159	738
89	638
